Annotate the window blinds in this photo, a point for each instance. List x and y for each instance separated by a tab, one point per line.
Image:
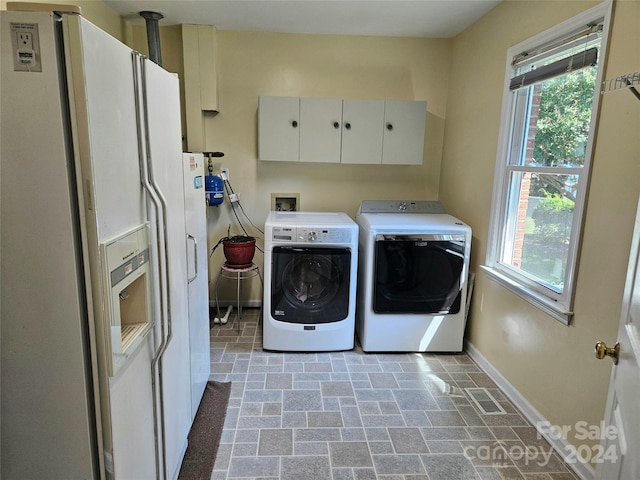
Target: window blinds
572	63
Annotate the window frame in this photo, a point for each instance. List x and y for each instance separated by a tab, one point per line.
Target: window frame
557	305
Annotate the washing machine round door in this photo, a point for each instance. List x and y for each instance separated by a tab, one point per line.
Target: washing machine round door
310	285
311	280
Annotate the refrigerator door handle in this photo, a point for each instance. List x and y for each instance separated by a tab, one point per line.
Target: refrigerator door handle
139	81
195	257
164	207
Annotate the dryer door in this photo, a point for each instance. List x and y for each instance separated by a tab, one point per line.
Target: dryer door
310	285
418	273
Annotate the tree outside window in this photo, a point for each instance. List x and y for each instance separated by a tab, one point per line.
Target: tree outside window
558	129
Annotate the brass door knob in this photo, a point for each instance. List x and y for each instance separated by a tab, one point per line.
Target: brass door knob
603	351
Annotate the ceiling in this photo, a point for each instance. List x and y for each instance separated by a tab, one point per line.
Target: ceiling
397	18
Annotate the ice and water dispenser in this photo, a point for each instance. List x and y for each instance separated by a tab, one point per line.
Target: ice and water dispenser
129	293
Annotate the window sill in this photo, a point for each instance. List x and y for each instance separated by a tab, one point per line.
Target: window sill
548	306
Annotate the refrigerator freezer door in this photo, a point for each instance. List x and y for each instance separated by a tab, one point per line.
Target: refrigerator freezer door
196	222
100	71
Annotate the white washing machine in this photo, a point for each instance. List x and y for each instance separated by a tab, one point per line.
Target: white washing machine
310	273
413	277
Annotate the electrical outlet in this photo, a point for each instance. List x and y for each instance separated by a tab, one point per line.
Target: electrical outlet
26	47
25	40
224	173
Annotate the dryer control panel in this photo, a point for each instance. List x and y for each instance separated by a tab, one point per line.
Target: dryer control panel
311	235
401	206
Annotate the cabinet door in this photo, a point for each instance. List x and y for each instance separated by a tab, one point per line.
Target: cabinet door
278	129
362	131
320	123
403	142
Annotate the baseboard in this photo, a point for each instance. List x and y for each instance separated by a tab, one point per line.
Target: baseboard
561	446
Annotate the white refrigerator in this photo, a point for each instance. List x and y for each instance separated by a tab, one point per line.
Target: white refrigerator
198	274
96	365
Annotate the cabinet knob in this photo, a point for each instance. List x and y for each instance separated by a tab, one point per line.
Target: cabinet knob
347	126
336	125
389	126
294	124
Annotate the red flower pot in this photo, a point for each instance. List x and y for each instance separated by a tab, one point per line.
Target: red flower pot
239	254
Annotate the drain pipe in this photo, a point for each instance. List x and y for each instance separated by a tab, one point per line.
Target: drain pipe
153	35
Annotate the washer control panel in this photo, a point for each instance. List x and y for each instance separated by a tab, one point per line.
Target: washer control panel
311	235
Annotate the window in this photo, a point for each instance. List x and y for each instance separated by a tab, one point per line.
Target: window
545	146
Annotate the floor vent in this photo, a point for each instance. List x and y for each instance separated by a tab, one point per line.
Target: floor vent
485	401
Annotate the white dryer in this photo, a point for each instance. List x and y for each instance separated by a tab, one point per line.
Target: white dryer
413	277
310	269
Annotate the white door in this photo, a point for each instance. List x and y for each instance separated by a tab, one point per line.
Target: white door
362	131
278	129
165	147
619	458
404	123
198	281
320	122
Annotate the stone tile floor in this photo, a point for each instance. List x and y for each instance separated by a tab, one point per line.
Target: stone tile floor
359	416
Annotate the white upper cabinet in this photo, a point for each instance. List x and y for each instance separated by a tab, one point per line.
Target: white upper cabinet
320	124
330	130
278	127
403	142
362	131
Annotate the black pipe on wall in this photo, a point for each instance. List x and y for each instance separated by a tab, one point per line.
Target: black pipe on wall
153	35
